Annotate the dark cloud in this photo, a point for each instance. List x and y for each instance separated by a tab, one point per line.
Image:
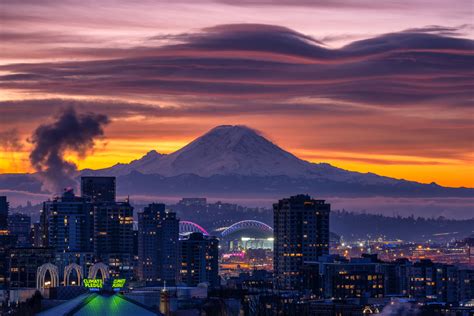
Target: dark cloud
70	132
442	30
12	111
263	61
40	110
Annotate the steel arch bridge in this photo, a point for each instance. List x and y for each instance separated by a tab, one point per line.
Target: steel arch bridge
186	227
247	224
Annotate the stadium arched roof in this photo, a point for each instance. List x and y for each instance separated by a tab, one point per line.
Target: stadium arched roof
247	224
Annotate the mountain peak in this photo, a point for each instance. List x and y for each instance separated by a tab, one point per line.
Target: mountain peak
226	137
235	150
232	129
232	132
152	154
225	150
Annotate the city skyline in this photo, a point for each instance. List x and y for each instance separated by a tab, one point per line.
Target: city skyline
89	247
253	157
382	79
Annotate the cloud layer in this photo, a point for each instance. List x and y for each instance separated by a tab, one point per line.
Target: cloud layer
261	61
407	93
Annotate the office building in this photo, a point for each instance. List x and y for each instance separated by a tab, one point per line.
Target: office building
113	237
66	223
301	233
98	189
6	243
358	284
158	233
434	281
3	213
466	284
36	235
20	226
334	276
24	263
199	260
396	276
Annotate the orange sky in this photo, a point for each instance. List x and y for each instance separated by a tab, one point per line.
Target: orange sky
446	172
372	87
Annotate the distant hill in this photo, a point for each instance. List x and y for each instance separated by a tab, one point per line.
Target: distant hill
358	226
237	162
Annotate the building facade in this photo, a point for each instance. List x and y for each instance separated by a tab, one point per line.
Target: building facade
98	189
113	237
158	234
301	233
436	281
24	263
7	242
3	213
199	260
67	223
20	226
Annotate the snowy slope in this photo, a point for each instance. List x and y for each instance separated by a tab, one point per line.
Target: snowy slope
236	150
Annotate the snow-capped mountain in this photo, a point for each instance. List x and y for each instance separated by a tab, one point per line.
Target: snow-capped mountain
236	161
236	150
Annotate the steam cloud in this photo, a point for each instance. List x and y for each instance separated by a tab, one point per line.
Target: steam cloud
400	308
71	132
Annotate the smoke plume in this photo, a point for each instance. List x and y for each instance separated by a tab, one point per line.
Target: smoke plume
400	308
72	133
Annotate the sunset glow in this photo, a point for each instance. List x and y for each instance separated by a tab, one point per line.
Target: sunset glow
387	93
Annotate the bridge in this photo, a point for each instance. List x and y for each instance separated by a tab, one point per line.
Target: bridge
187	227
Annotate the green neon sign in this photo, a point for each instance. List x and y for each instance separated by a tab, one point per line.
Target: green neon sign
118	283
93	283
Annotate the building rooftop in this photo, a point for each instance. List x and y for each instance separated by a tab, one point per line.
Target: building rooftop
98	304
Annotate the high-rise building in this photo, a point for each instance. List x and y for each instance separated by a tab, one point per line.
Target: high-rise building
113	237
158	245
24	263
466	284
7	242
98	189
199	260
36	235
358	284
437	281
301	233
3	213
66	223
20	226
